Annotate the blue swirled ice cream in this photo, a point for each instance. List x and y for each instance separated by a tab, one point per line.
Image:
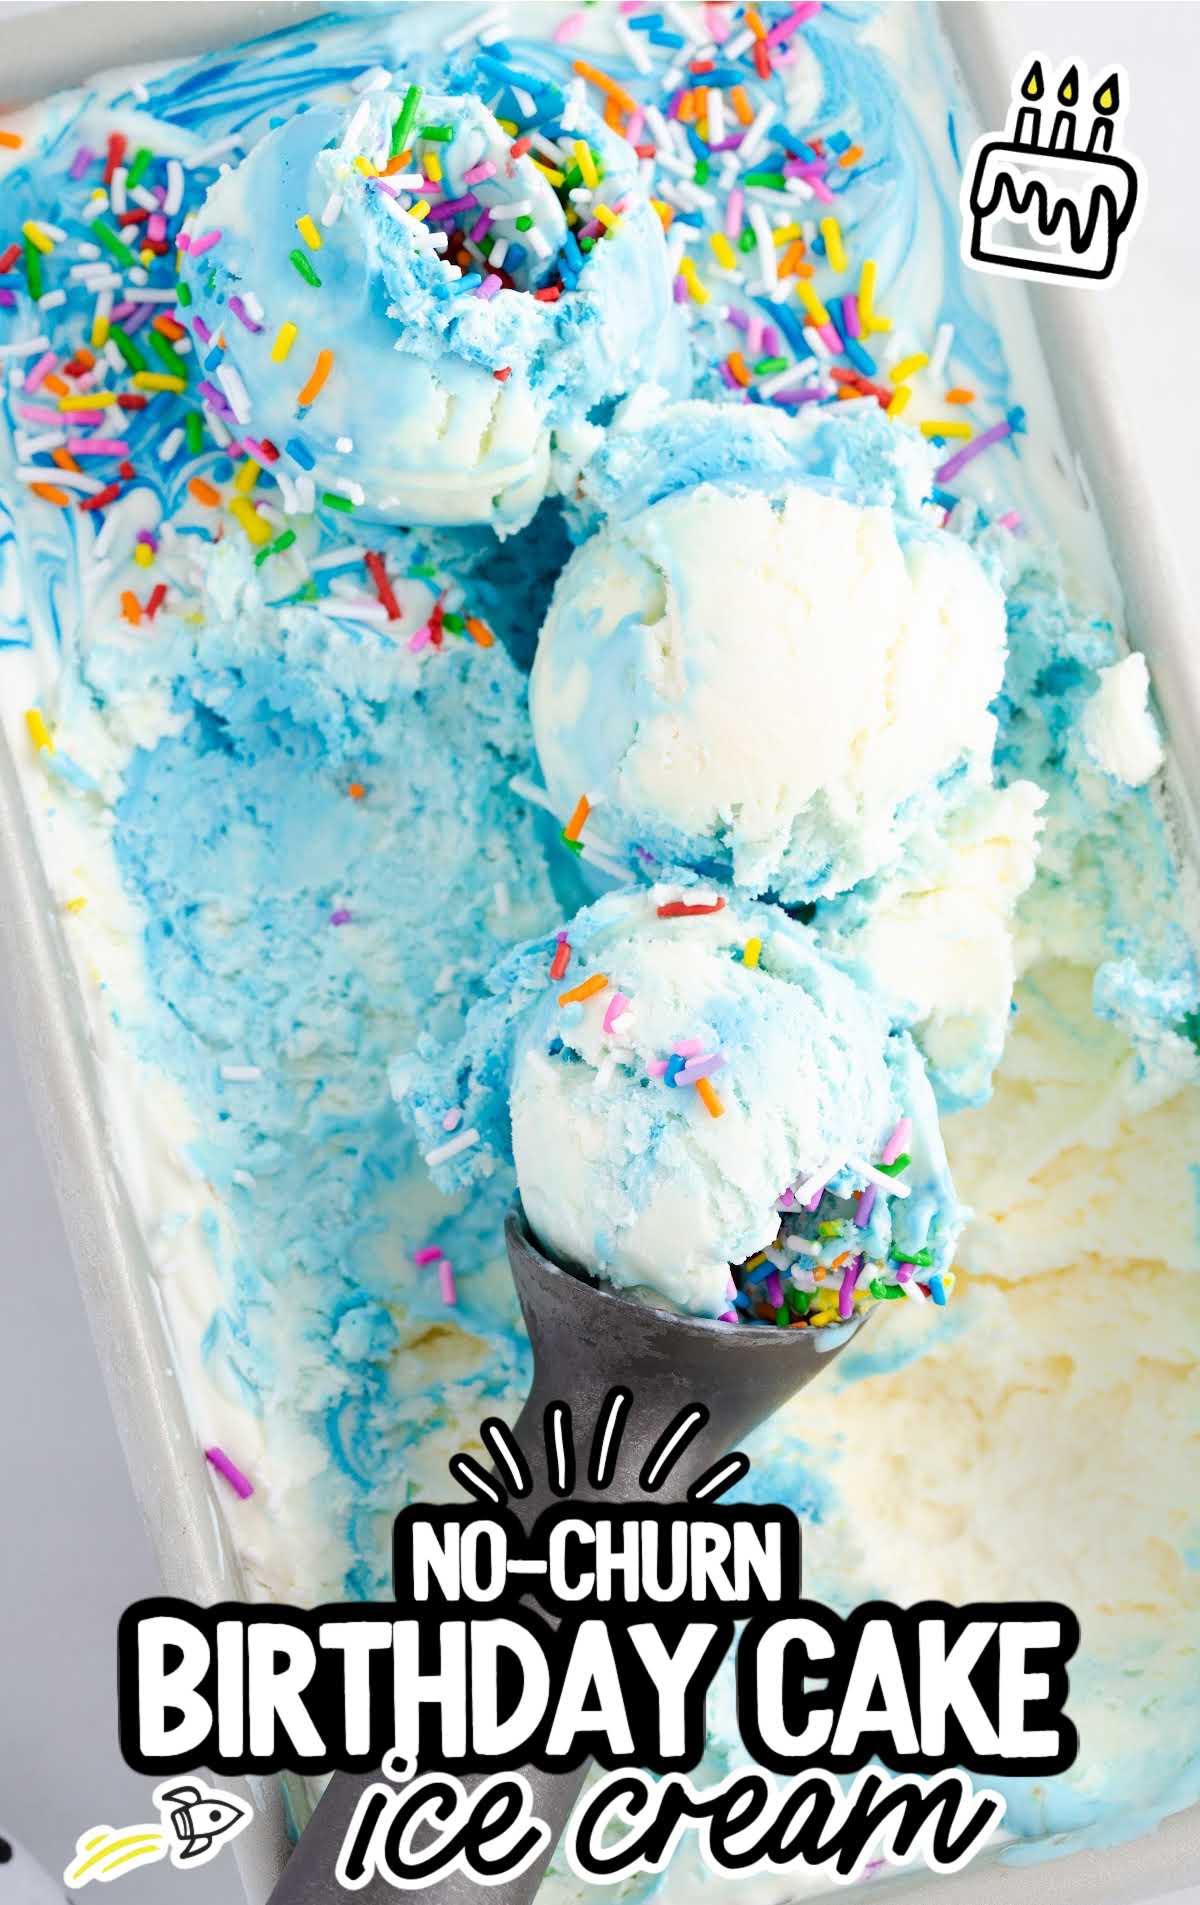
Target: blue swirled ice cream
392	298
684	1084
276	758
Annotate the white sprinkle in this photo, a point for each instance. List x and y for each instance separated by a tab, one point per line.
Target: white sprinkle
634	46
141	295
526	790
817	1182
355	491
55	232
591	852
174	198
231	383
685	21
510	213
30	347
94	275
217	427
538	241
786	379
29	447
816	343
94	207
358	120
765	252
86	249
802	1246
214	151
344	445
240	1074
500	896
752	143
716	115
891	1185
373	614
333	209
245	1180
66	479
498	254
739	44
169	447
373	80
941	349
525	103
51	300
913	1291
472	29
145	199
604	1072
442	1153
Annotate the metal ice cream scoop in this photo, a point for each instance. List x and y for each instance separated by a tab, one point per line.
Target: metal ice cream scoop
586	1341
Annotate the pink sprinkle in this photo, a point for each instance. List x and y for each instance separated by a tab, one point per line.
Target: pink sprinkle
489	287
730	1287
1011	520
382	185
727	1316
486	169
716	22
688	1047
431	1254
947	471
774	1291
733	212
829	334
866	1205
904	1273
788	1200
156	227
446	1281
896	1143
452	1119
633	127
850	1277
421	639
205	242
97	446
754	336
657	1067
80	163
257	450
567	28
36	372
616	1006
797	17
232	1473
341	918
38	413
850	313
814	1201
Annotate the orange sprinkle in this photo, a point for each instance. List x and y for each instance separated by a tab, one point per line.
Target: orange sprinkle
574	826
480	632
959	395
792	259
665	212
12	140
737	368
586	989
612	115
740	101
131	608
203	492
50	493
64	459
850	156
708	1098
56	386
316	380
754	21
606	83
685	111
168	327
356	790
841	1259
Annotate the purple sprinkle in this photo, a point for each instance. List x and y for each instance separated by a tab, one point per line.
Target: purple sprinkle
727	376
232	1473
480	227
730	144
215	397
680	291
808	393
770	340
904	1273
80	163
201	329
774	1291
242	315
850	1277
850	313
815	1200
449	206
341	918
728	1316
738	319
947	471
701	1067
9	300
866	1205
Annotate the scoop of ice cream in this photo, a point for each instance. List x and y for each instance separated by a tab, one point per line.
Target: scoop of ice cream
768	679
404	306
684	1082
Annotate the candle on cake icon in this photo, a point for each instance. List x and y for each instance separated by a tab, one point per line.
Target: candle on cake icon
1050	196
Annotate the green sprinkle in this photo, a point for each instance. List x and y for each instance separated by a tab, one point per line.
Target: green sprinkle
700	175
112	242
137	171
799	1301
423	569
572	178
183	292
455	622
33	271
766	365
586	244
307	594
782	1317
193	430
747	241
772	181
830	1227
524	223
896	1166
283	541
331	501
922	1258
170	359
878	1288
891	1291
304	268
402	124
133	356
576	846
441	135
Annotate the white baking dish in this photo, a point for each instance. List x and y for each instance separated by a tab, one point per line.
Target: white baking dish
167	1467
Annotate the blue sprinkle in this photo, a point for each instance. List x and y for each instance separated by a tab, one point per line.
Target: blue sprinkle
645	22
937	1289
838	141
674	1067
943	498
215	357
782	135
300	453
789	322
697	144
668	39
861	360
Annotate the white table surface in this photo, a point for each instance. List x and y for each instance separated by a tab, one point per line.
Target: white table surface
73	1551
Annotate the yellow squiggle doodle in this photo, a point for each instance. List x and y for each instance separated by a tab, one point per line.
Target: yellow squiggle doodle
104	1852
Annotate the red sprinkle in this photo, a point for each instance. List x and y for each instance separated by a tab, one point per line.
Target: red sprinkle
126	470
155	599
561	959
383	587
762	59
272	453
520	148
9	258
549	294
132	400
116	152
679	909
502	376
102	498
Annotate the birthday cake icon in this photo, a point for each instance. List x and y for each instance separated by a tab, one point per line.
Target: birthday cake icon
1050	196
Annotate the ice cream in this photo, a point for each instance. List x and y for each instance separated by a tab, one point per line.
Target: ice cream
692	1084
268	755
390	296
